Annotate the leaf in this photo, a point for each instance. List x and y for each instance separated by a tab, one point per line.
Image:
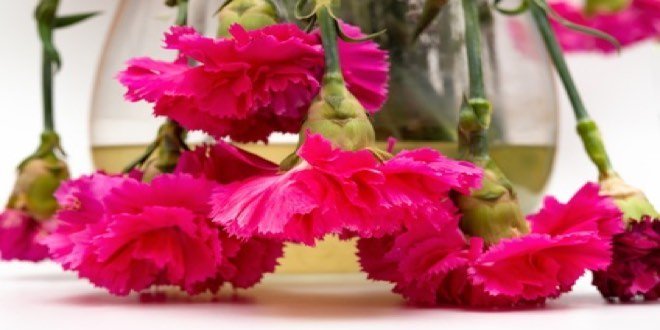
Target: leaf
432	9
576	27
65	21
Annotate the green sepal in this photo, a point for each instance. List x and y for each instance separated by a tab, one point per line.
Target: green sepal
250	14
631	201
492	212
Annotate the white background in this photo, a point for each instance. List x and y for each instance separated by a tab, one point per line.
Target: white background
622	92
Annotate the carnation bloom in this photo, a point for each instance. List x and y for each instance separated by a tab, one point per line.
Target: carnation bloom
639	21
125	235
224	163
242	92
20	237
332	191
635	269
433	262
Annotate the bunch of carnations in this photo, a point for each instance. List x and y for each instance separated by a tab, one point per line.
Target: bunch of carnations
444	231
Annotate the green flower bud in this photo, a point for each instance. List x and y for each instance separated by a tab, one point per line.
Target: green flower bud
340	117
38	178
492	212
251	14
168	147
632	201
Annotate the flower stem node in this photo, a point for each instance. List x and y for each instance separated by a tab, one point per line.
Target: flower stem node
632	201
250	14
492	212
39	176
593	144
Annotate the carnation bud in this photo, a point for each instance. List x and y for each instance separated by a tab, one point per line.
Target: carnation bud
38	178
250	14
170	145
632	201
492	212
340	117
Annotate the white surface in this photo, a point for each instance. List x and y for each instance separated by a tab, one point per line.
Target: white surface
43	297
622	92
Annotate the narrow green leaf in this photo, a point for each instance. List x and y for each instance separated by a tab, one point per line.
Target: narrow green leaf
432	9
64	21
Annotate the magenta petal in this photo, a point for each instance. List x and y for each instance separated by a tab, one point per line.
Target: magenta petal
587	211
346	193
20	237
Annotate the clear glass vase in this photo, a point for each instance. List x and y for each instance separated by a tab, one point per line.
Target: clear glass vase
428	81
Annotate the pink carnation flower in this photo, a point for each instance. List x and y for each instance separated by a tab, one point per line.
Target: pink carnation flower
345	193
125	235
243	92
638	22
434	263
635	269
20	236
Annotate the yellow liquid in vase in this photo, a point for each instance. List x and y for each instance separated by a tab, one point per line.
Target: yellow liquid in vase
528	168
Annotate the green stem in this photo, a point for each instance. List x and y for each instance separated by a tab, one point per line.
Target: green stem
475	114
587	128
473	48
328	29
47	92
557	56
182	13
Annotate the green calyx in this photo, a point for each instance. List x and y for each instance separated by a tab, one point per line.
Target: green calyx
162	155
632	201
339	117
492	212
250	14
39	176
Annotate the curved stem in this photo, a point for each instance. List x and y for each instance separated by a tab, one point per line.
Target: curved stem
557	56
587	128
